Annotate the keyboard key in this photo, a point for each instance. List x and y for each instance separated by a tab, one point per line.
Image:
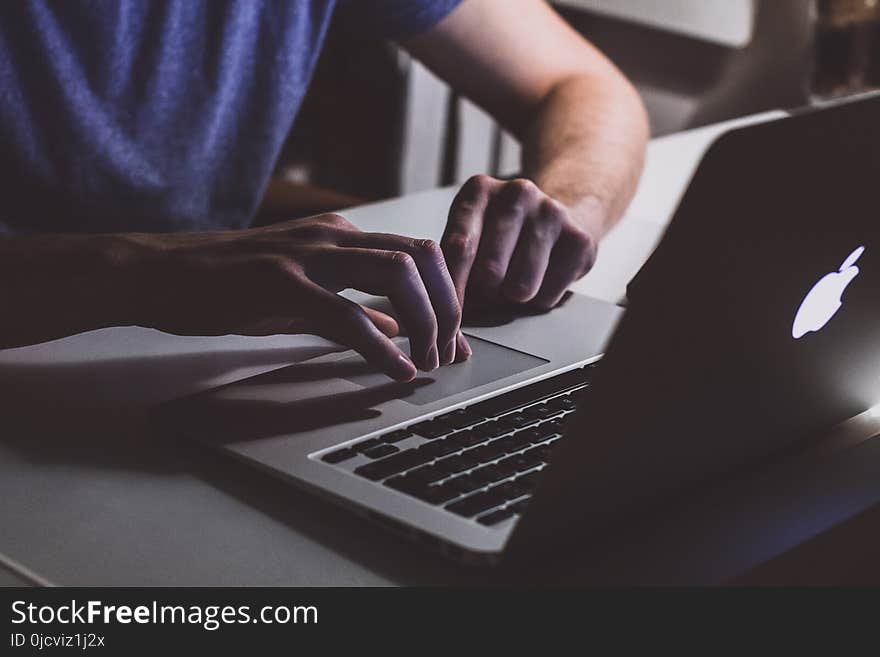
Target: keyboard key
518	463
534	434
520	506
529	394
556	425
507	467
564	403
467	438
339	455
428	474
489	429
527	460
472	458
379	451
436	494
464	484
544	431
431	429
515	420
488	474
394	464
395	436
509	490
455	464
494	517
367	444
539	411
403	483
439	448
529	481
486	453
512	443
427	493
459	418
476	504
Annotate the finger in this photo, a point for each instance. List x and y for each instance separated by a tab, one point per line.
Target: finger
463	349
392	274
532	254
274	326
464	226
435	276
343	321
572	257
385	323
502	223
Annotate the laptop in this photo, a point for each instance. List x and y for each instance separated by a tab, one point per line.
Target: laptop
751	329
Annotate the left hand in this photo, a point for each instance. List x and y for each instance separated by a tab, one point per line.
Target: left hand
507	241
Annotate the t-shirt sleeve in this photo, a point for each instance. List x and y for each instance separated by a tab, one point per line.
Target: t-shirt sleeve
393	19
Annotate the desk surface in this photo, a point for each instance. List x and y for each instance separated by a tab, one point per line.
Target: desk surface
91	497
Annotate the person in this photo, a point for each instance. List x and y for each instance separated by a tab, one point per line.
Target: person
138	136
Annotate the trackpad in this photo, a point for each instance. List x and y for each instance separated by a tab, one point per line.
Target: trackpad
490	362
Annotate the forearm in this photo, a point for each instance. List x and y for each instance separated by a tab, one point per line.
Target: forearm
585	147
53	286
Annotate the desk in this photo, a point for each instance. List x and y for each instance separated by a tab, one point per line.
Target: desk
91	497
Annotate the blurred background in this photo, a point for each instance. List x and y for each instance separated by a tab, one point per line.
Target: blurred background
377	124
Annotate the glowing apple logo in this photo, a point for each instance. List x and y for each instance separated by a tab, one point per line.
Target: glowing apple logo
823	301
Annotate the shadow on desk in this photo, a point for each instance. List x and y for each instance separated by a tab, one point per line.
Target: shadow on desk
83	411
137	507
70	428
73	423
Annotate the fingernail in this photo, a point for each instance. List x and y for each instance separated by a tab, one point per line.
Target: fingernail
433	361
405	370
449	352
465	347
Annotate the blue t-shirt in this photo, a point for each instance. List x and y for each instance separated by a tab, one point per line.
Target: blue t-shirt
160	115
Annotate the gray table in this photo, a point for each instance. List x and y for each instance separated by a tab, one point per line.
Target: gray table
90	495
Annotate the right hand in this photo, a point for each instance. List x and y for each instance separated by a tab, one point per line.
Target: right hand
284	278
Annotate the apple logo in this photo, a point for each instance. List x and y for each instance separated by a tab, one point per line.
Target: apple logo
823	301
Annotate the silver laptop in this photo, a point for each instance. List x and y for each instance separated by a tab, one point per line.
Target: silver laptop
725	354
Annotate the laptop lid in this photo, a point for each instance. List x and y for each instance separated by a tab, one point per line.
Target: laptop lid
754	325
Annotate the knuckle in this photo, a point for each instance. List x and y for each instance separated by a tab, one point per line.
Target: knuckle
402	262
585	248
427	248
460	246
552	211
478	183
277	267
523	188
314	232
521	290
455	315
490	272
336	220
580	240
472	192
517	195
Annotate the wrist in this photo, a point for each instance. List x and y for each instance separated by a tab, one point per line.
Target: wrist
129	265
592	215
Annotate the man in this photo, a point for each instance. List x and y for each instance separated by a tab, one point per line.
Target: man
138	136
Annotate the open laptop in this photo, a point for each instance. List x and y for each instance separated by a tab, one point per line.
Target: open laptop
753	326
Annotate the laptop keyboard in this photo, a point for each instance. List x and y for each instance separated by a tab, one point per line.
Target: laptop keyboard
481	462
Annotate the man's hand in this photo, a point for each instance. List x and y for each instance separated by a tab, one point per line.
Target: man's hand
583	131
282	278
508	241
285	278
